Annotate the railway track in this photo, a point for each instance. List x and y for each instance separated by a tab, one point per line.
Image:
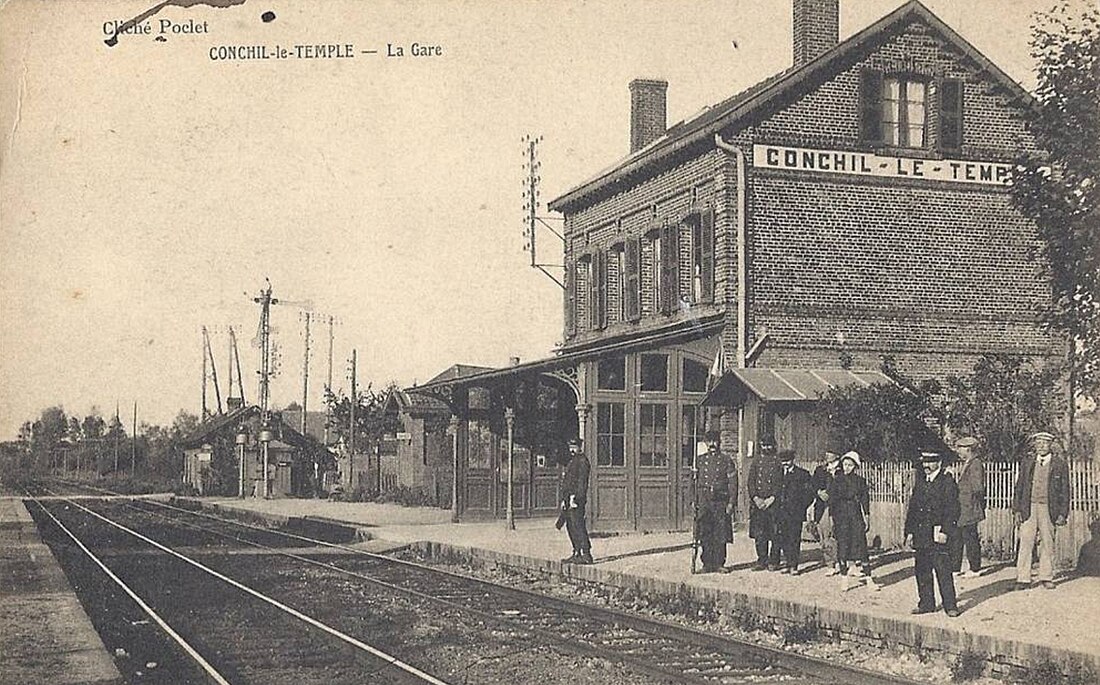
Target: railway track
663	652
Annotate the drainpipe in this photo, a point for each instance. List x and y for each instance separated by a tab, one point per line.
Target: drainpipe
742	311
742	261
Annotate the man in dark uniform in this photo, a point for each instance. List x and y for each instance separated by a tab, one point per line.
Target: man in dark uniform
793	499
715	500
764	480
929	529
574	496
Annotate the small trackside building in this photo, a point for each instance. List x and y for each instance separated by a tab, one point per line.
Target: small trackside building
853	205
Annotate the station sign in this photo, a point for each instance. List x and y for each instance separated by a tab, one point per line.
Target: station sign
869	164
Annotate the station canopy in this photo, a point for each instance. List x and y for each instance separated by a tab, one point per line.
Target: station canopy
786	385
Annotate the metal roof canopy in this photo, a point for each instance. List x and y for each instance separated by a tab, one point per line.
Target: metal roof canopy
786	385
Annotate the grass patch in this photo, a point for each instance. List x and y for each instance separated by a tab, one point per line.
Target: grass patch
968	666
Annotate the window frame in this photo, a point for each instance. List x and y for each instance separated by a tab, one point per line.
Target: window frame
903	80
610	435
660	437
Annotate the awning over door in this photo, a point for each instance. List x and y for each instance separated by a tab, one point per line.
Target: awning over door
785	385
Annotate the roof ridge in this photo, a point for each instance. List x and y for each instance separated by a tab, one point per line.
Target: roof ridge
739	105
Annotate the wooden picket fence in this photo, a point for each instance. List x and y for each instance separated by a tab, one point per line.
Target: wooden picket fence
891	484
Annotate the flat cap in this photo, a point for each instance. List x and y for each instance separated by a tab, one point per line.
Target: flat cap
968	441
930	455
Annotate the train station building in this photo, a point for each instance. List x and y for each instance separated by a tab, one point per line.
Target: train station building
853	205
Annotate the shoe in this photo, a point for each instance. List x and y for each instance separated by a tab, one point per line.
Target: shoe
571	560
787	570
1048	584
872	585
586	558
920	610
834	571
1020	585
952	612
759	567
773	567
971	574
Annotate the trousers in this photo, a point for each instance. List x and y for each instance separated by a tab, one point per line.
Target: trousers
934	560
967	541
1038	525
577	528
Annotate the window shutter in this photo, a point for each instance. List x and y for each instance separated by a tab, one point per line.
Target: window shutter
632	309
594	291
706	255
570	299
670	271
601	289
870	106
951	113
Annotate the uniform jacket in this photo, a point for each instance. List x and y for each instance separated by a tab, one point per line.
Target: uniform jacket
715	468
795	494
575	480
932	504
764	476
971	492
1058	492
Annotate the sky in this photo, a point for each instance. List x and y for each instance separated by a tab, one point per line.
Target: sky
147	190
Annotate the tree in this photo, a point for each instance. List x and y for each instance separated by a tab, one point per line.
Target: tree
1056	184
371	421
883	420
1003	401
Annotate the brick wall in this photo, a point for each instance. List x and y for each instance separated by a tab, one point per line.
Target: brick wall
631	214
937	272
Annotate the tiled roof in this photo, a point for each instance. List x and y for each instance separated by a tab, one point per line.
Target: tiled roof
458	371
702	128
787	385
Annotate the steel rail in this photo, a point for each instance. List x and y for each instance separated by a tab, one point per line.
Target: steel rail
821	668
191	651
389	659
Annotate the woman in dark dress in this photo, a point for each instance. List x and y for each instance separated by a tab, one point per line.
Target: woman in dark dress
850	507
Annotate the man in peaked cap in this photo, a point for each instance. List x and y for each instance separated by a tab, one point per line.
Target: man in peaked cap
970	473
929	528
793	499
715	493
764	481
1040	501
574	496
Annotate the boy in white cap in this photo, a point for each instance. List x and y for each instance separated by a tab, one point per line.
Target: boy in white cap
1040	501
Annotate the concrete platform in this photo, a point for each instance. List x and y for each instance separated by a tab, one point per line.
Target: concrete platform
45	636
1015	629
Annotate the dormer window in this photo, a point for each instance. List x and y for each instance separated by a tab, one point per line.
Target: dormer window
904	104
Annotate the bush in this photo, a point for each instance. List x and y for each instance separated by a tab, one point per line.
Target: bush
1051	673
968	666
801	633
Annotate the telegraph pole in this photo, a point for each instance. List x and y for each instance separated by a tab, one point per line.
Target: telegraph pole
531	218
133	444
351	436
305	376
328	386
205	412
118	425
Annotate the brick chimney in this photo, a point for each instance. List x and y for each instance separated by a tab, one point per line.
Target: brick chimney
647	112
816	28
